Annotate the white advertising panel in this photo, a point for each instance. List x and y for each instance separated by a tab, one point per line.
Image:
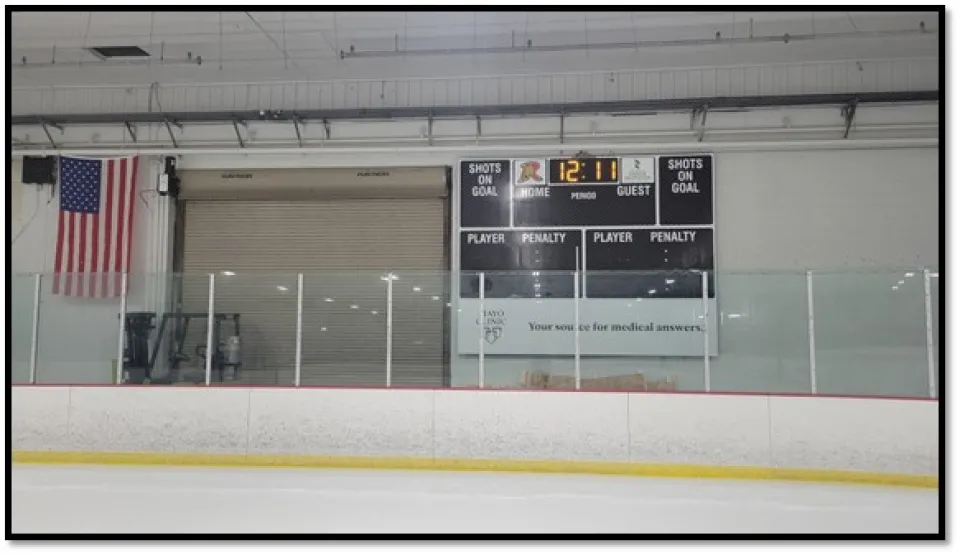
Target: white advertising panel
648	327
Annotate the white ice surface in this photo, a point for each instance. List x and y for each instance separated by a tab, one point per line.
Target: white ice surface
169	500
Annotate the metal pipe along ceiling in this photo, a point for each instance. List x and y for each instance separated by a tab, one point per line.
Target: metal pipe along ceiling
786	38
610	107
532	149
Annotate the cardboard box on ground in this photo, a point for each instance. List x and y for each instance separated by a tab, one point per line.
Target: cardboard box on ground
629	382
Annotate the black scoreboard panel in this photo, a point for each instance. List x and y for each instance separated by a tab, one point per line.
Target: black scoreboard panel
508	250
522	221
650	249
522	264
582	205
686	190
648	263
485	193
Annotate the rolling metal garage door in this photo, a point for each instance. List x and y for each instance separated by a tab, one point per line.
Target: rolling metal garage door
344	230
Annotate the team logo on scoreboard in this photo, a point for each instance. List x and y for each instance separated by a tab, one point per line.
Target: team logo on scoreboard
638	170
529	172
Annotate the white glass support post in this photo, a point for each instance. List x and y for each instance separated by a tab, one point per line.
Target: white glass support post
389	328
123	327
928	315
482	322
576	321
35	335
298	359
705	281
209	358
811	334
583	268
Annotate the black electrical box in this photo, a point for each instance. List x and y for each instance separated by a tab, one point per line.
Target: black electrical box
39	170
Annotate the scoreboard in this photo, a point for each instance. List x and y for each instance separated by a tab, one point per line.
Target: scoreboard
638	227
622	214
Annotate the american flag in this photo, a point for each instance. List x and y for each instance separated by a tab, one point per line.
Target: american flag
94	233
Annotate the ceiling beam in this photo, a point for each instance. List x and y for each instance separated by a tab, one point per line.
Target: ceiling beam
848	112
296	127
44	124
236	128
167	121
505	150
614	107
133	134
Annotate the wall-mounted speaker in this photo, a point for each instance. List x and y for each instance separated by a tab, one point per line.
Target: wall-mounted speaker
169	182
39	170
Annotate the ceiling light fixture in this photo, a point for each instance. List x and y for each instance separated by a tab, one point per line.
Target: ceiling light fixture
108	52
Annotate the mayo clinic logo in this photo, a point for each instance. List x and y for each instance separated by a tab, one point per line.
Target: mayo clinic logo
493	323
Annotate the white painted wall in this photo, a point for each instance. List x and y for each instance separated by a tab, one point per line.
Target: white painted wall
828	210
870	435
78	337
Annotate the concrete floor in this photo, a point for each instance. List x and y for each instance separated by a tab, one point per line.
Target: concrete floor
169	500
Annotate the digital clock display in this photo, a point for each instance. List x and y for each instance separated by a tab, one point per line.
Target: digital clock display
573	171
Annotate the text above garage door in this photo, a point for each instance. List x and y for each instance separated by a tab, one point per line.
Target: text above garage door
313	183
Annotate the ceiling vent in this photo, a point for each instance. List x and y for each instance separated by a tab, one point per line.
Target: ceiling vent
108	52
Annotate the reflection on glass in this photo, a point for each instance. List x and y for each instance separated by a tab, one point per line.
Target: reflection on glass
22	288
77	340
662	285
345	328
870	333
638	331
763	334
255	327
525	331
420	347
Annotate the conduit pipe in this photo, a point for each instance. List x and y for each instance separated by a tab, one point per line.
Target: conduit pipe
785	38
532	149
